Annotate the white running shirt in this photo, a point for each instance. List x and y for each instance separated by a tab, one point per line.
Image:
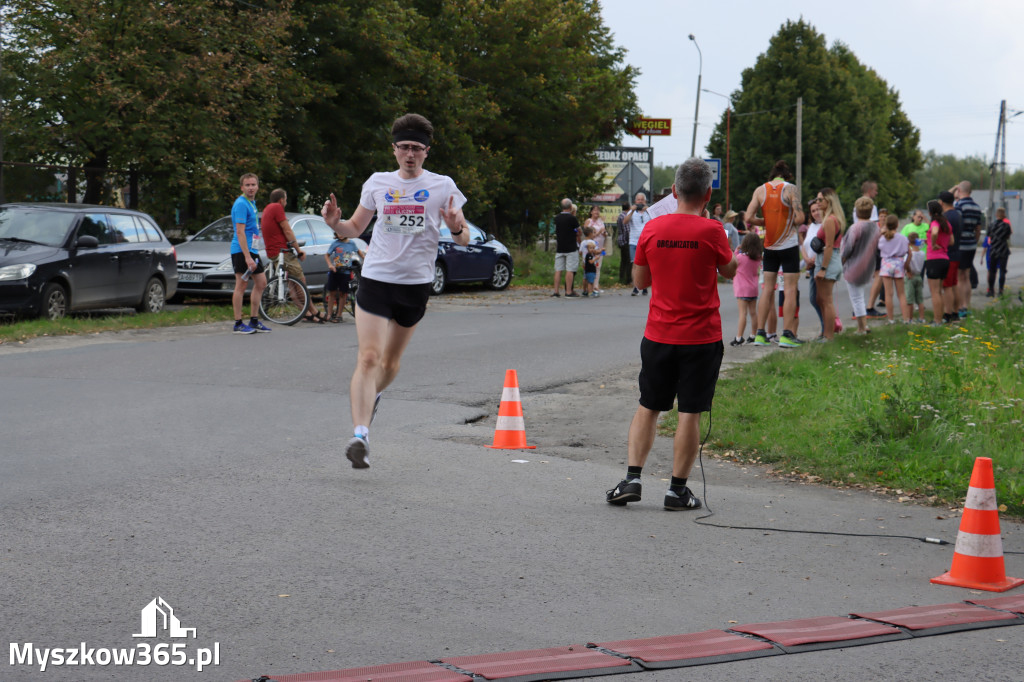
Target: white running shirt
404	244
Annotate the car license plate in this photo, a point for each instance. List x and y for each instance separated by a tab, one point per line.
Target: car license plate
190	277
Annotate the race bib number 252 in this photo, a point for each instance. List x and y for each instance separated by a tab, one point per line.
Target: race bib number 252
403	219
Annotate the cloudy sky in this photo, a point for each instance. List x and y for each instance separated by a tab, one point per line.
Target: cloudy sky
951	62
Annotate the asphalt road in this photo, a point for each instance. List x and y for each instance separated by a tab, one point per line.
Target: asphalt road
206	469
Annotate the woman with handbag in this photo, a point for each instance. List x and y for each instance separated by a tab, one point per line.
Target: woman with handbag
827	266
860	244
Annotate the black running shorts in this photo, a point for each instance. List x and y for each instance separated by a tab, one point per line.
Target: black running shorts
403	303
687	373
937	268
240	268
787	259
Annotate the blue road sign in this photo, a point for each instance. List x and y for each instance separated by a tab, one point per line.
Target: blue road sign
716	170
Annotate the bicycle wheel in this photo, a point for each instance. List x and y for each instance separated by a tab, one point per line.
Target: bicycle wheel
352	288
287	306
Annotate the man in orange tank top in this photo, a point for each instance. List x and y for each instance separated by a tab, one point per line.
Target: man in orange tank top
779	204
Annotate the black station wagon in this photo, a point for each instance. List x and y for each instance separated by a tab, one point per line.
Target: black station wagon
56	258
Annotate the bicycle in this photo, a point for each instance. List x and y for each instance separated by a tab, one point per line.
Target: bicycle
285	300
353	284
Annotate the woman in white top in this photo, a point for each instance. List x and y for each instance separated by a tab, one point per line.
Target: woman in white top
808	255
411	204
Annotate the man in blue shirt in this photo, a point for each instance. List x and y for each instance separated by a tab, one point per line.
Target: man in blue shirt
246	260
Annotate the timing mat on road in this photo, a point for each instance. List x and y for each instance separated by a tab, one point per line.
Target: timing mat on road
700	648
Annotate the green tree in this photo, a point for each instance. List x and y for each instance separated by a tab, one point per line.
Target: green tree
854	128
942	171
520	94
187	92
555	88
665	176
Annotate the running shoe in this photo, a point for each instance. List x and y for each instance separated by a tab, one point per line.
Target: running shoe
260	327
761	340
243	328
787	341
626	491
572	294
681	501
871	312
773	338
750	339
636	292
358	452
736	342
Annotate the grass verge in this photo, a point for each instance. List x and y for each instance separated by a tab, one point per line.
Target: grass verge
906	408
89	323
535	267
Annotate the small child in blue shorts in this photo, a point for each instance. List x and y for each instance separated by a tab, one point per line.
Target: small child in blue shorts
588	247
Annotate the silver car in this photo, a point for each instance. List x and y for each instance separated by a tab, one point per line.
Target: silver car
204	261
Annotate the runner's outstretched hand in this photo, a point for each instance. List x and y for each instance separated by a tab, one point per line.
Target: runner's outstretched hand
331	212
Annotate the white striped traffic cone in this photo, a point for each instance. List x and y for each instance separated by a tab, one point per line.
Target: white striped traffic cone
978	556
510	433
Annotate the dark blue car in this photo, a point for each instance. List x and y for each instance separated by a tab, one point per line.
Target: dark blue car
484	259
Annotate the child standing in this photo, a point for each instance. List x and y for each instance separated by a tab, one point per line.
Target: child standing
339	263
914	285
744	284
588	249
893	248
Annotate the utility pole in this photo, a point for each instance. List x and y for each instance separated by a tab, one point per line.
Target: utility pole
799	146
1002	161
696	110
1000	131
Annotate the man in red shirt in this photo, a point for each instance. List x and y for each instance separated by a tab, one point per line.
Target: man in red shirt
679	256
277	237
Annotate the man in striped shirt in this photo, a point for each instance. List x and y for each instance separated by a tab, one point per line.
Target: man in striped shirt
973	219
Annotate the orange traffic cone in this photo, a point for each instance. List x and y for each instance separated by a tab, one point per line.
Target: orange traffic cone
978	556
510	433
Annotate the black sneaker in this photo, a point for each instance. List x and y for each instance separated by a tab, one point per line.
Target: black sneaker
626	491
736	342
681	501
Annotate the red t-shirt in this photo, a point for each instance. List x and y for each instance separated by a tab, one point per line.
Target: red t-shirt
683	253
270	227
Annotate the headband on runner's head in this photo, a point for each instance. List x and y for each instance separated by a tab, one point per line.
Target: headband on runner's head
411	136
